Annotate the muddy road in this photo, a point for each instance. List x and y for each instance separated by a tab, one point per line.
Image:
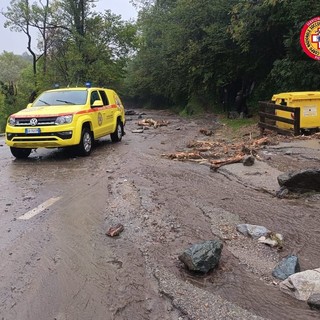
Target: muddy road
56	261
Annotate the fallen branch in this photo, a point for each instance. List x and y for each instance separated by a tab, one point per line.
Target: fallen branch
183	155
152	123
216	164
261	141
217	153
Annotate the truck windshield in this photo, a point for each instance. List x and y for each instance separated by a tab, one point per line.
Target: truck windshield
57	98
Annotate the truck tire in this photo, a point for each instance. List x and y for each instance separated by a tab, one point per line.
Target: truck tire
86	142
20	153
116	136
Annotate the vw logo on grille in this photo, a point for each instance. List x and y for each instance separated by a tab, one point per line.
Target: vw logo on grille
33	122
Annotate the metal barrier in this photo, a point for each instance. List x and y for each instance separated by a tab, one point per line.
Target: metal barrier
268	118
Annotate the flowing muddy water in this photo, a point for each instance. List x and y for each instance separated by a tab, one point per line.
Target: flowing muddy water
63	256
207	204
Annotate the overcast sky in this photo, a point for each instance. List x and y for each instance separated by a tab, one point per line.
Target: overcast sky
17	42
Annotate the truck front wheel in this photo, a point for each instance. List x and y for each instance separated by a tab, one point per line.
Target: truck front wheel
86	142
116	136
20	153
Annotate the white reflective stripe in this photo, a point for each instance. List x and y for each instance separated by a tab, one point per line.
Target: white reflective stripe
28	215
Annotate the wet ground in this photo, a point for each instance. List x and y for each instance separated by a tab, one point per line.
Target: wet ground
59	263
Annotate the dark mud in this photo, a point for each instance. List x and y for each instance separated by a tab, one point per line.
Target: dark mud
61	265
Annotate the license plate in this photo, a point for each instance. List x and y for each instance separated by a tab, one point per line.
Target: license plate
33	130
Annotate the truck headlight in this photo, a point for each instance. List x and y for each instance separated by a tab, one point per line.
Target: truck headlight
64	119
12	121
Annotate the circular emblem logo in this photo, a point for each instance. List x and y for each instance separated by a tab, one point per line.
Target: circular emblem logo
100	119
310	38
33	122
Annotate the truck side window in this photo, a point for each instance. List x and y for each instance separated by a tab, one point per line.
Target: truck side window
104	97
118	101
94	97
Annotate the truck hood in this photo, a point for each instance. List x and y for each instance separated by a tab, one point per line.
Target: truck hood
48	111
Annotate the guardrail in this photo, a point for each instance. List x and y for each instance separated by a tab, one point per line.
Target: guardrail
268	118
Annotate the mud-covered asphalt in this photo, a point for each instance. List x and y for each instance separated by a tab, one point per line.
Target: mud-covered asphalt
60	264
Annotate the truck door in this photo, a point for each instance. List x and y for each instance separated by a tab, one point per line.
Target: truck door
108	113
98	118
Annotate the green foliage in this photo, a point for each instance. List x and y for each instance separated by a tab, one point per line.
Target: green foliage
236	124
11	66
3	116
183	44
76	45
193	107
199	48
183	54
99	55
12	69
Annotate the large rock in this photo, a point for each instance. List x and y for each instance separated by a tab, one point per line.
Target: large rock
301	181
202	257
248	160
314	301
252	230
302	285
286	267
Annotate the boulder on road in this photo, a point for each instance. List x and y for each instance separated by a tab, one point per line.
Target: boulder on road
286	267
202	257
301	181
302	285
314	301
248	160
252	230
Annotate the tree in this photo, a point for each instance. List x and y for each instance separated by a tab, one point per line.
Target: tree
11	69
106	46
19	19
11	66
76	43
185	52
192	51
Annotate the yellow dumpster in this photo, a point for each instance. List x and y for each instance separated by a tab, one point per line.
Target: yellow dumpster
307	101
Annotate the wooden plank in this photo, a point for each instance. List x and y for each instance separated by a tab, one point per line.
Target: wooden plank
274	128
278	107
277	118
265	106
297	122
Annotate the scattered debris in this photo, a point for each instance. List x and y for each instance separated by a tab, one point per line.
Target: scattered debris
216	164
202	257
218	154
137	131
152	123
286	267
130	113
206	132
262	234
115	230
184	156
272	239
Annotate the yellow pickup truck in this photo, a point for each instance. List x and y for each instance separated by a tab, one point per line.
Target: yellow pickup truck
66	117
